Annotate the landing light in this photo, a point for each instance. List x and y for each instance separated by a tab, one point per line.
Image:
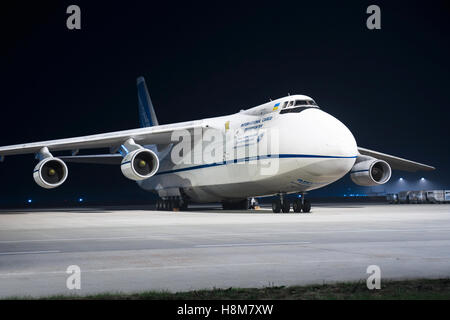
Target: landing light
401	179
29	201
80	200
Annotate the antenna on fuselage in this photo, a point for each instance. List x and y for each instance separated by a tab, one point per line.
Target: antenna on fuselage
289	94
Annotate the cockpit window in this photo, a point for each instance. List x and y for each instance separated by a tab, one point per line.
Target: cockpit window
305	102
296	109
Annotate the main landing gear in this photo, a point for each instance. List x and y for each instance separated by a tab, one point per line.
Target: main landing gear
282	204
172	204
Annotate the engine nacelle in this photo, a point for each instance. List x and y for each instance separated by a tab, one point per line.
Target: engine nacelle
50	173
140	164
370	172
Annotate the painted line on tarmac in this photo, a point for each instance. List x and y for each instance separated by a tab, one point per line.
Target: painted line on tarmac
27	252
209	234
31	273
250	244
76	239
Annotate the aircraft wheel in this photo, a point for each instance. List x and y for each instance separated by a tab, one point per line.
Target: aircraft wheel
276	206
286	206
306	206
297	206
158	204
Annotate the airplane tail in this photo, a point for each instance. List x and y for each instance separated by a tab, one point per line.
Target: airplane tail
147	115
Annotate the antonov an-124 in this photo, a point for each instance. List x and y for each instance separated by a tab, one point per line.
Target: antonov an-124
288	145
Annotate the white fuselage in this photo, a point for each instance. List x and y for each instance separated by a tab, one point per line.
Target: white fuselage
307	150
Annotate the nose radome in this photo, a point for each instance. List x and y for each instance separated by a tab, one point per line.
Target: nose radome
331	135
332	139
340	141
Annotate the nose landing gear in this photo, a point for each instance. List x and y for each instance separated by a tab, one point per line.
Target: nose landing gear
298	205
281	204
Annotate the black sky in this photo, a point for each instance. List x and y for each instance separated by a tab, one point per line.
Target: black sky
389	86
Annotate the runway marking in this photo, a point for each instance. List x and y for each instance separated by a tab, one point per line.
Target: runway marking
27	252
18	274
76	239
249	244
171	236
320	262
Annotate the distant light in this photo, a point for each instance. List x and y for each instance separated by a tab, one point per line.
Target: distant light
299	195
80	200
401	179
29	201
422	179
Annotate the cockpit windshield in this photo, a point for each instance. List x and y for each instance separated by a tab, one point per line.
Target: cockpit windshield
305	102
297	109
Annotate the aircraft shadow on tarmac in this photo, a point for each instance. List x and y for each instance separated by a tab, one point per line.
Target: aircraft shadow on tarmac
213	208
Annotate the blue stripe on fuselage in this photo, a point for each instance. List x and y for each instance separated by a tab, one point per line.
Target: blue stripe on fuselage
270	156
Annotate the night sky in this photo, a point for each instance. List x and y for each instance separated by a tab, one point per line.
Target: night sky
389	86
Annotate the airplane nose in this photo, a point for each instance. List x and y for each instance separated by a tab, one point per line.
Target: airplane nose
332	140
337	138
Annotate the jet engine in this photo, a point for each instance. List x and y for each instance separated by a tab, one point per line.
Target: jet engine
50	173
369	171
140	164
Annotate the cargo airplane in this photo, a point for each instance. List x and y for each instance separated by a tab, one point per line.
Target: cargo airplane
312	150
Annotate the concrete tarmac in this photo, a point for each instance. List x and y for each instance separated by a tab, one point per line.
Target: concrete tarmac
136	250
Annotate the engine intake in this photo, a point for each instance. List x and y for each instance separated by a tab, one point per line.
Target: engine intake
370	172
139	164
50	173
